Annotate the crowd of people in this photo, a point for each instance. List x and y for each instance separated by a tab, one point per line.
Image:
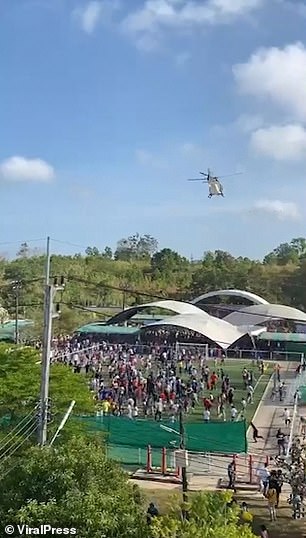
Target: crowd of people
156	381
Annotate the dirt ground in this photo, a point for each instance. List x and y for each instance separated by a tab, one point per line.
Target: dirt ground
284	527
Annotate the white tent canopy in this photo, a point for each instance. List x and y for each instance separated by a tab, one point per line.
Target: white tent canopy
252	297
257	314
219	331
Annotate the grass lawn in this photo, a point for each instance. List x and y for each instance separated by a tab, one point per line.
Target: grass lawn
285	526
233	368
134	457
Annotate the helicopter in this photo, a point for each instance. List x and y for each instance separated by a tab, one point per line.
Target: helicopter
215	187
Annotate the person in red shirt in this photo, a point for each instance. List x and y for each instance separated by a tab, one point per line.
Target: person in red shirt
207	404
213	380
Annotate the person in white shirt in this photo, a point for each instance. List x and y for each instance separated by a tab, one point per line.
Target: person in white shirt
129	411
263	475
250	392
206	415
234	413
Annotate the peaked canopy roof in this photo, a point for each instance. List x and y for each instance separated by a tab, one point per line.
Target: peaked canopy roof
257	314
176	307
217	330
252	297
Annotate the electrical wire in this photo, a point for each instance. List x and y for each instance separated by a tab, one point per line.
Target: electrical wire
17	427
22	241
67	243
31	421
96	286
29	432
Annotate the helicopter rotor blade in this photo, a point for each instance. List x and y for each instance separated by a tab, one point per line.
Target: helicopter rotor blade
204	174
196	179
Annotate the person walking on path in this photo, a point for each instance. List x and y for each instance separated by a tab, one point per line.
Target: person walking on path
281	438
231	473
255	433
271	497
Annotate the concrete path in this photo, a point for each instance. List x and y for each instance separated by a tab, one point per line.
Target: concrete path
269	416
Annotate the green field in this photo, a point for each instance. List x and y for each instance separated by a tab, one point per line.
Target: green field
233	368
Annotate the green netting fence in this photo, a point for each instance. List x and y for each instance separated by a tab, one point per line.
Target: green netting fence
127	440
302	391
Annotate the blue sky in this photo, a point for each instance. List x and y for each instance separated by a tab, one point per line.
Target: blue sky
108	107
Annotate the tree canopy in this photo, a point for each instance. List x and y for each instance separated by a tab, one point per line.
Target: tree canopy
75	486
211	515
72	486
20	372
140	272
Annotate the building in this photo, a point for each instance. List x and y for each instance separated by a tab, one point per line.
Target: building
239	326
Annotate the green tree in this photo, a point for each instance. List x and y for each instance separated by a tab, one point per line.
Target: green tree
24	251
209	517
287	252
92	251
20	372
72	486
136	247
166	262
107	253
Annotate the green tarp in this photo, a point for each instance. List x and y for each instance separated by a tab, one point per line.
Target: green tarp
302	391
96	328
283	337
214	437
7	329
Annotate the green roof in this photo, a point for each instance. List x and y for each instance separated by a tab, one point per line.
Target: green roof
98	328
7	329
283	337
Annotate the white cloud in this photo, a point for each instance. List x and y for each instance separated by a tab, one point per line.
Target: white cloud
276	209
89	15
277	75
281	142
93	12
21	169
157	15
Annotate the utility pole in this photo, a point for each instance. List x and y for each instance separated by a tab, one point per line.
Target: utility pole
48	262
45	371
184	469
16	289
50	291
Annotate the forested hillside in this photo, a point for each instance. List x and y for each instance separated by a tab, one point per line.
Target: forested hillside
138	272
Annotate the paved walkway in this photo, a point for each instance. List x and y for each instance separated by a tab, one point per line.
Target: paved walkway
269	416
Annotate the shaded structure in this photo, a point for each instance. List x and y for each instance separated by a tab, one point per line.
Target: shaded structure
110	333
260	314
247	296
173	307
222	302
207	327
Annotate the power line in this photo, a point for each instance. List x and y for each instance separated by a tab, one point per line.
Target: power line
16	428
22	241
29	432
